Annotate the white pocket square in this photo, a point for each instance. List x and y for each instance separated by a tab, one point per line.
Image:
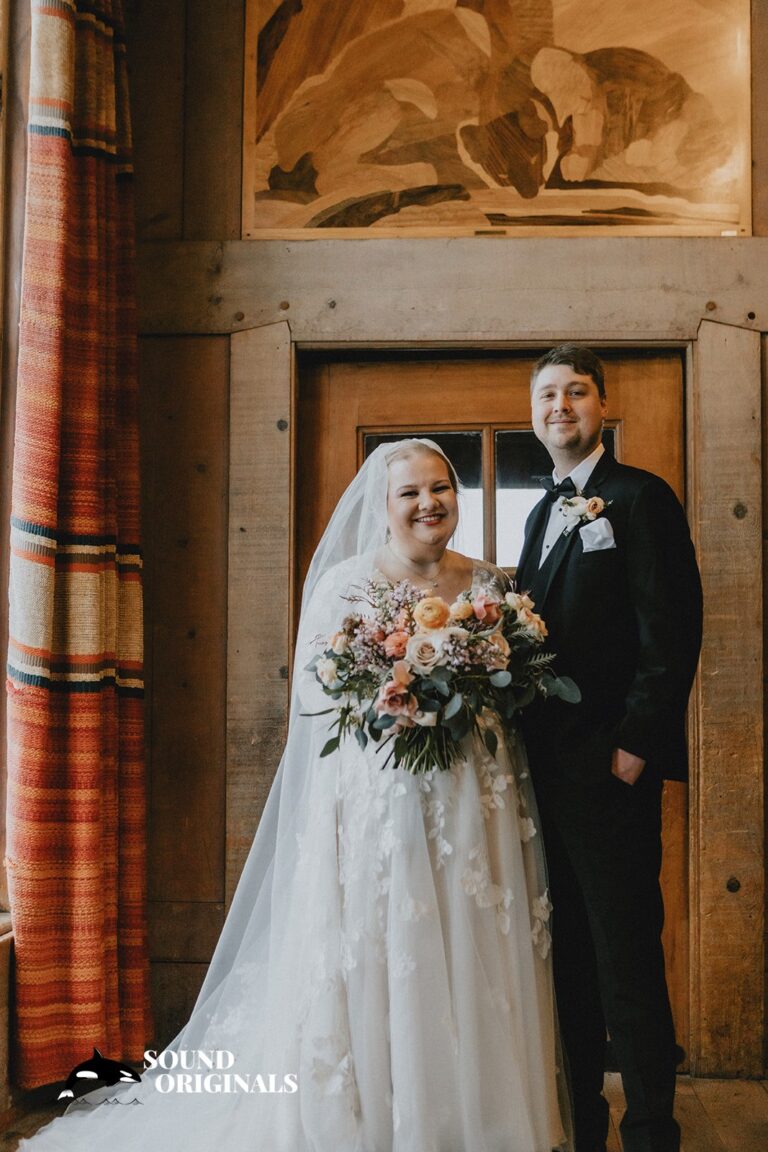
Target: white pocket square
597	535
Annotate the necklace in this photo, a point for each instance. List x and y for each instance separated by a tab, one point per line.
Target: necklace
432	583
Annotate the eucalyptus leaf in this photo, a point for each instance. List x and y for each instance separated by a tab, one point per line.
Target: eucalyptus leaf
361	737
501	679
428	705
383	722
454	705
566	689
330	746
440	672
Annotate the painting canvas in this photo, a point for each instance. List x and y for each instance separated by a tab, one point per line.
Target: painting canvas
456	117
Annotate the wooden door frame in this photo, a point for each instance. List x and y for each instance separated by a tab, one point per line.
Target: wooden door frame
724	504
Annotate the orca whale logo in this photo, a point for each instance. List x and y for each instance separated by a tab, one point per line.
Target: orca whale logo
97	1068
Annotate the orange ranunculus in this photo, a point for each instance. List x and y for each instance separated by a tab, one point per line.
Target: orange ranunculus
431	613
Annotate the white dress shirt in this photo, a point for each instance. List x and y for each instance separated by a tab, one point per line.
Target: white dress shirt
580	476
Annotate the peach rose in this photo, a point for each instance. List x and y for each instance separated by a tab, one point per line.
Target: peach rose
595	506
462	610
422	653
486	609
533	624
394	699
518	600
339	643
431	613
394	645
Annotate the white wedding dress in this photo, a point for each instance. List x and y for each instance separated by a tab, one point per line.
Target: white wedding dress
388	946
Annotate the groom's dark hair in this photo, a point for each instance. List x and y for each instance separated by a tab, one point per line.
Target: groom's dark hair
576	356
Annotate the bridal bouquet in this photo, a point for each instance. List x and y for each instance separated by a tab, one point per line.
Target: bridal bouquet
421	671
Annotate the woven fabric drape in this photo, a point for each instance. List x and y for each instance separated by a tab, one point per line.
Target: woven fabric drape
76	791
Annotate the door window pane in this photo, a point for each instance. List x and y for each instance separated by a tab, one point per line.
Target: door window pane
520	457
465	452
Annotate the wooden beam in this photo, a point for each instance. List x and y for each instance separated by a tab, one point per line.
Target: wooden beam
759	49
259	578
155	34
727	815
404	291
213	102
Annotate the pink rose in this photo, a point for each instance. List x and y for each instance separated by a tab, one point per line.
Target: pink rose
394	699
486	609
394	645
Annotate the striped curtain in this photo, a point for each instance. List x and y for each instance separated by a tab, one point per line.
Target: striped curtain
76	792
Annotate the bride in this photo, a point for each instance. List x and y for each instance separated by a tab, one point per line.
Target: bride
383	981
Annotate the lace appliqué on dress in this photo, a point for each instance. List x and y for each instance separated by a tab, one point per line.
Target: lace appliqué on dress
541	908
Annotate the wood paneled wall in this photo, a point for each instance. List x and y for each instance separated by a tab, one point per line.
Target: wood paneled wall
186	86
186	65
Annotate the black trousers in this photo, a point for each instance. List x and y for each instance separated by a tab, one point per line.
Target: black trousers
603	848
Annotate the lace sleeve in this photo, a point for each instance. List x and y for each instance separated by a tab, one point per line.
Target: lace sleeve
488	576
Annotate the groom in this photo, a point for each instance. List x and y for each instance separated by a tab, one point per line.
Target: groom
617	583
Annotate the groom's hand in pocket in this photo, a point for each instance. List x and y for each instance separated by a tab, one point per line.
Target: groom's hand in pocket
626	765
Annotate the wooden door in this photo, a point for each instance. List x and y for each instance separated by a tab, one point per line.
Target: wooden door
347	403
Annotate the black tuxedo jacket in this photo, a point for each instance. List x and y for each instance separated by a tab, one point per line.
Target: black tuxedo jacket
624	623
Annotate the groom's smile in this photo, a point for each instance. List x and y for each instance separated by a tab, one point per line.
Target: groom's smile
567	412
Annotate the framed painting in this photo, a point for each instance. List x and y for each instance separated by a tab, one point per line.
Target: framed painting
494	117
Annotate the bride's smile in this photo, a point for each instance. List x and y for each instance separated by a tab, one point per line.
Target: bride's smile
422	508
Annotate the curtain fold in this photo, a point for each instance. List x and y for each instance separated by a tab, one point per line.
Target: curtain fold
76	788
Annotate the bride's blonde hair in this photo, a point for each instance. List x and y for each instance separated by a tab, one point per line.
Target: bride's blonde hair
402	450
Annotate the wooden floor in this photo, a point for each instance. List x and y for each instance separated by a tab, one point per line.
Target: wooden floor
715	1115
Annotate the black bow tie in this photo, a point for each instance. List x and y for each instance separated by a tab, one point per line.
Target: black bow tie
565	488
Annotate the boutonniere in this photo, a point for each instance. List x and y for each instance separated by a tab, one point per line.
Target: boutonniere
582	510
